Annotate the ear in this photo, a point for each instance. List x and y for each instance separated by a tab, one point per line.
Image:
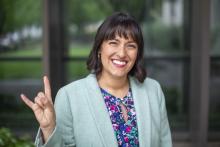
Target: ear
99	51
99	55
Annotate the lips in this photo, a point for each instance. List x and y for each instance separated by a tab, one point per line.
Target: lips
120	63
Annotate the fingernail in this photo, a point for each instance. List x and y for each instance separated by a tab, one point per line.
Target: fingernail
22	95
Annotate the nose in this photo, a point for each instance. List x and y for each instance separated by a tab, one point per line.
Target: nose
122	51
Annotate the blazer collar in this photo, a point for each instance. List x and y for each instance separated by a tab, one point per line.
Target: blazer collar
99	112
101	116
142	108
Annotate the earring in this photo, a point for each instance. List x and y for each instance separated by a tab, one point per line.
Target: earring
99	55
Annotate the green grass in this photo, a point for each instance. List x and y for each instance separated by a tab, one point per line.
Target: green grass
33	51
22	69
79	51
34	69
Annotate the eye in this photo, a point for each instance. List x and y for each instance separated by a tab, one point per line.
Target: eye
133	46
113	43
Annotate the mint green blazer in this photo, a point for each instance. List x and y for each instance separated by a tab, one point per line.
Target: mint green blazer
83	120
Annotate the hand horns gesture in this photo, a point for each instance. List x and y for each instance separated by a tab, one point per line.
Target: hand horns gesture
43	109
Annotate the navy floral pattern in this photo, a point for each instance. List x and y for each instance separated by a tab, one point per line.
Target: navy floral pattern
126	132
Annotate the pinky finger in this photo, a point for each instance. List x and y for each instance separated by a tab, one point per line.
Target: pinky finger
28	102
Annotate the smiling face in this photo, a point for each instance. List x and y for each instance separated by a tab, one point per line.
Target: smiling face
118	56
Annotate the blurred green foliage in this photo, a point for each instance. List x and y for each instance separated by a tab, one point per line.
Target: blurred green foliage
172	99
15	15
136	8
166	38
7	139
76	70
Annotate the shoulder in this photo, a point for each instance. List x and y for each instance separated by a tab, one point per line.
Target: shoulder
154	91
73	90
149	84
152	85
152	88
80	83
75	84
78	87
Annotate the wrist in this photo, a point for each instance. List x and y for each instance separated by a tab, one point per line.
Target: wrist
47	132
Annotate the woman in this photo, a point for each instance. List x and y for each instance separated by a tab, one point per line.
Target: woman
115	105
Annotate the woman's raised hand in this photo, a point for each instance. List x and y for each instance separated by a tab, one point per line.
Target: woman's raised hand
43	109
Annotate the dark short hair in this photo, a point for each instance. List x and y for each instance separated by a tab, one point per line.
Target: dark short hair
124	25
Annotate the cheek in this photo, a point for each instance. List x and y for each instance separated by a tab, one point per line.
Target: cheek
134	56
105	54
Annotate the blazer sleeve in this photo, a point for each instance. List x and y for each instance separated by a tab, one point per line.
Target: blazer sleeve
165	134
63	135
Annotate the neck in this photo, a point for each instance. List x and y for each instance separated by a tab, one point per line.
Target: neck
113	83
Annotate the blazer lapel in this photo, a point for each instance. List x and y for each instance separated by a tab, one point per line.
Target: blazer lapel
99	112
142	108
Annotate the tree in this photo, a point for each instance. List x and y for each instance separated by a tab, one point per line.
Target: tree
14	15
135	8
82	12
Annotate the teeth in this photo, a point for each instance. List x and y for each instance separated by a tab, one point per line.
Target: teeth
119	62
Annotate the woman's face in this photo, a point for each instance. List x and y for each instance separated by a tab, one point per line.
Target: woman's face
118	56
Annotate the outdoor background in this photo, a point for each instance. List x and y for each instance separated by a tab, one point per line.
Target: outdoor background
167	51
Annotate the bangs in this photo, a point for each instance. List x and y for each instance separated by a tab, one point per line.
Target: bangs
122	30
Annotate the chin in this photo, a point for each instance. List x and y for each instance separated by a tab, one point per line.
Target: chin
120	75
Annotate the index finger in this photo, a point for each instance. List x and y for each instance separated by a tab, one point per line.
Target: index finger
47	89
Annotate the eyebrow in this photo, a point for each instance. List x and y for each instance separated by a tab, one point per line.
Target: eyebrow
132	41
115	39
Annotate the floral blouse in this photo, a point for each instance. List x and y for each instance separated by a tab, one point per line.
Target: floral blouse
126	132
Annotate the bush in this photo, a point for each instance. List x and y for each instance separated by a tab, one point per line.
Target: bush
8	140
